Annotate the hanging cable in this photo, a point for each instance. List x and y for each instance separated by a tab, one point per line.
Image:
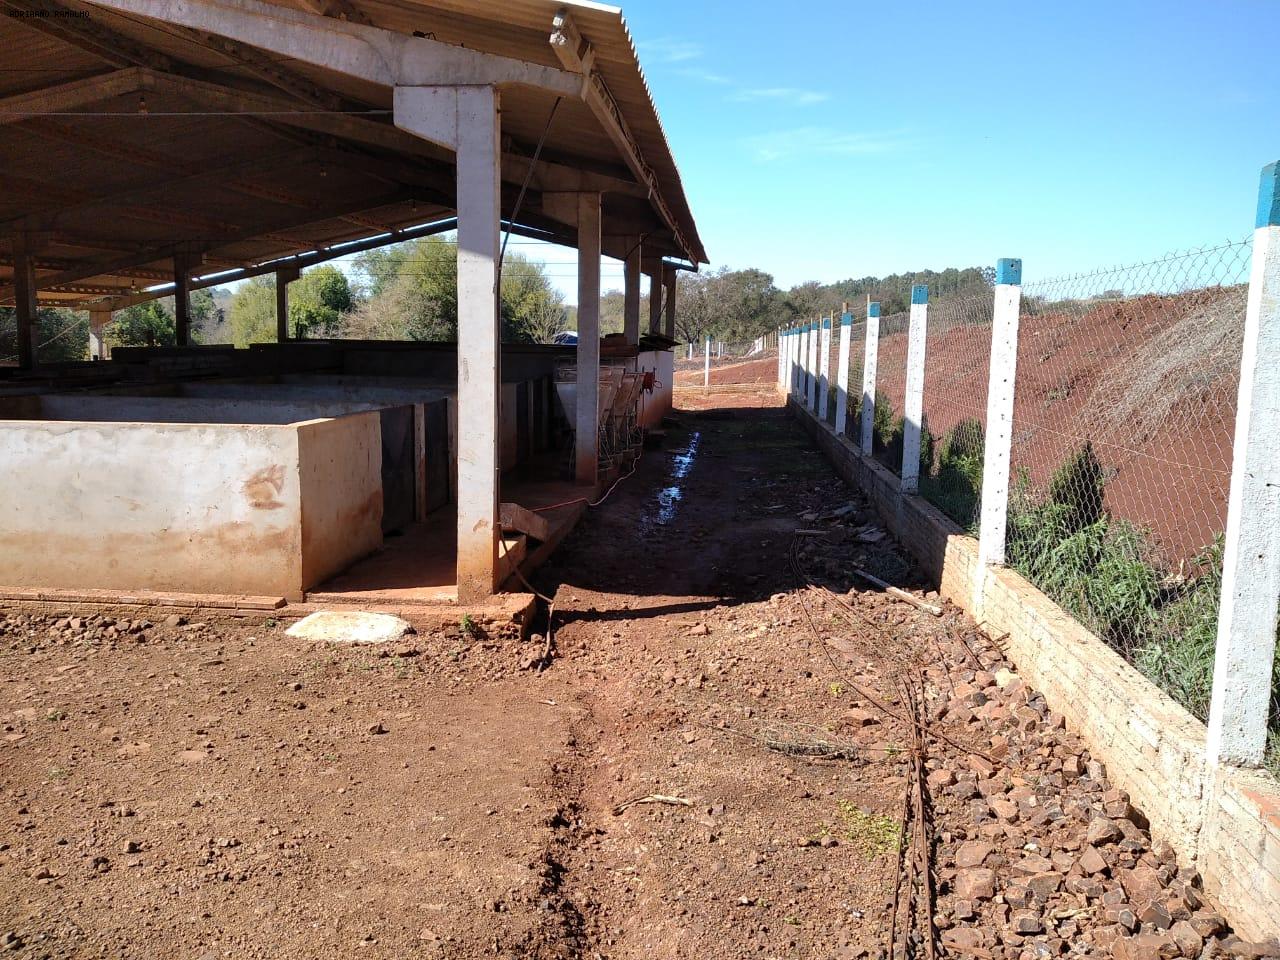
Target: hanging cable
537	152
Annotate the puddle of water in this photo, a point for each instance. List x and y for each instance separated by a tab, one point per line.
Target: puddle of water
671	496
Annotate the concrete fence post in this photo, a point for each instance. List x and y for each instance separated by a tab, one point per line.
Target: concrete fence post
811	383
869	357
802	363
797	363
1245	648
1002	376
842	371
913	404
706	364
781	359
824	368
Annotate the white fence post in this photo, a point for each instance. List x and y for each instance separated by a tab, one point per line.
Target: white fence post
913	404
995	462
706	364
811	383
869	377
781	358
824	368
1251	560
842	371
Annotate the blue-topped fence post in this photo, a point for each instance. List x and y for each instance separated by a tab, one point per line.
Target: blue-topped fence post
842	371
869	357
1245	649
824	368
995	464
913	405
811	381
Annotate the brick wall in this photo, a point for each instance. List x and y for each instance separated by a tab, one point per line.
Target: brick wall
1228	824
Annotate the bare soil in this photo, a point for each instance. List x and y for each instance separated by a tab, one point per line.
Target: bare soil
219	790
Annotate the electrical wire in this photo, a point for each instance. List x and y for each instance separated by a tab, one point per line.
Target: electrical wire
537	153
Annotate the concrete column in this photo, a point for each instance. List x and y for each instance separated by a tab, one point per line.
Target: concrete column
670	305
824	368
842	371
631	295
913	405
182	299
999	438
870	357
706	363
99	320
782	357
1251	560
806	332
24	291
811	380
587	442
655	301
284	277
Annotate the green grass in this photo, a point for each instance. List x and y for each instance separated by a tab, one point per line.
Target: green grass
873	833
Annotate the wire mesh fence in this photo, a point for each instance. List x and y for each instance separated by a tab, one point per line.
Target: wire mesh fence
1124	415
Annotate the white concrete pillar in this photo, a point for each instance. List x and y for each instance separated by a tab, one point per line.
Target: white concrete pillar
631	295
782	357
870	357
706	363
99	320
655	302
1251	560
913	405
25	302
811	383
824	368
479	339
842	372
587	434
466	119
999	434
669	281
284	277
182	299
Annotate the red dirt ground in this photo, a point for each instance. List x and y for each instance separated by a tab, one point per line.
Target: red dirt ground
222	790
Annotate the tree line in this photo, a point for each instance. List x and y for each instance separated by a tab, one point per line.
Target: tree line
409	291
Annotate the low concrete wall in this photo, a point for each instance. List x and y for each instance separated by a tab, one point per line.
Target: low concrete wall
1227	822
654	406
190	507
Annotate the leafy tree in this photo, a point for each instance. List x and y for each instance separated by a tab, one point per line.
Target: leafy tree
532	309
142	325
253	311
59	335
318	302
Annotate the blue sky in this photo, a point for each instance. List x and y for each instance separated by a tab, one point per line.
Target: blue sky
825	140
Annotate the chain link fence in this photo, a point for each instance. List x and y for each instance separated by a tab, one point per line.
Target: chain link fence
1123	426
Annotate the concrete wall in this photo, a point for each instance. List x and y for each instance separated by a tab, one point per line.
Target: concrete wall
340	483
654	406
191	507
1227	822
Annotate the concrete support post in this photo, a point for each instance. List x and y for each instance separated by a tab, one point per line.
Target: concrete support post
802	363
587	439
631	295
99	320
842	371
182	299
913	406
669	281
284	277
824	368
811	382
706	363
870	357
1245	648
782	357
479	340
466	119
655	303
24	291
1000	385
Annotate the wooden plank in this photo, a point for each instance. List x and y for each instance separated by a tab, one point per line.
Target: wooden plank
516	517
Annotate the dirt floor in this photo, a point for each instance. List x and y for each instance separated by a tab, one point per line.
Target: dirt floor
716	764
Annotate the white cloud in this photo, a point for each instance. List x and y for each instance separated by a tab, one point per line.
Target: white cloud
791	95
671	50
782	144
706	76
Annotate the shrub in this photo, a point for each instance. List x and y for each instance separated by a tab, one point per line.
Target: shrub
1078	486
956	487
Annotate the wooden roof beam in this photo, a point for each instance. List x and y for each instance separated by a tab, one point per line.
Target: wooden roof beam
70	95
109	266
86	34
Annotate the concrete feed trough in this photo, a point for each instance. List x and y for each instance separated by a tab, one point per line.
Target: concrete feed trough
199	496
